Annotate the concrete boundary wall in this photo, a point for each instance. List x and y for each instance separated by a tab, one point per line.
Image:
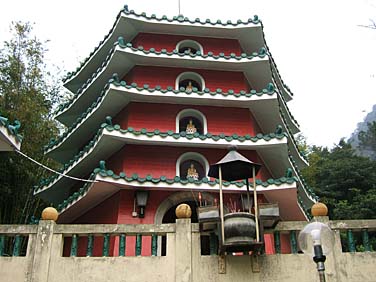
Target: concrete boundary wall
183	261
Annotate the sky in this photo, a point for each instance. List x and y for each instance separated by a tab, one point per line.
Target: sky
322	51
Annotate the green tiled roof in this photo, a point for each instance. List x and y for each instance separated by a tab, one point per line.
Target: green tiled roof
269	90
274	63
306	187
163	179
179	19
196	136
260	54
11	128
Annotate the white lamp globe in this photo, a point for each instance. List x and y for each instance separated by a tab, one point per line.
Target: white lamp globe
313	234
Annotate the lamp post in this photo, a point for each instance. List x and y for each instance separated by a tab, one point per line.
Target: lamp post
317	240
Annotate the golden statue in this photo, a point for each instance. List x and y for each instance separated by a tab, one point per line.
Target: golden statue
191	128
192	173
189	86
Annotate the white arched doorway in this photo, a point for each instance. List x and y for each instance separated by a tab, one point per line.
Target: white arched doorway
169	205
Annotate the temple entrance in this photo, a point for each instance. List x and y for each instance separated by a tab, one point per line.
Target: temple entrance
168	209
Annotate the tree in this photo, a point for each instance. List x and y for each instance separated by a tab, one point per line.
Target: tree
27	93
344	181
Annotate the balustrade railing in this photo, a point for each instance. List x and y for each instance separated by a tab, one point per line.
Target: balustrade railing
15	240
150	240
113	240
46	251
351	235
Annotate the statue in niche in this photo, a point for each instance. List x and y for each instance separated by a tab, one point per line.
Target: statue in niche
192	173
189	86
191	128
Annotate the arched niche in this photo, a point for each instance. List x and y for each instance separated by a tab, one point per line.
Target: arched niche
188	117
185	161
189	80
189	45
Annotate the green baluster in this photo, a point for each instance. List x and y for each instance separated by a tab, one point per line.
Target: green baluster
73	250
154	245
2	244
365	238
277	242
138	244
293	243
350	241
122	245
17	245
106	245
90	245
213	244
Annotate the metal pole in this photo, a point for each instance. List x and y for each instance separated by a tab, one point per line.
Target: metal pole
321	270
249	201
221	206
256	207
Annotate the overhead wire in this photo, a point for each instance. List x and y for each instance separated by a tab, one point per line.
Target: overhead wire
52	170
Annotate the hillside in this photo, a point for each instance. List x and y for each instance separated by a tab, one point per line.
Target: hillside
362	126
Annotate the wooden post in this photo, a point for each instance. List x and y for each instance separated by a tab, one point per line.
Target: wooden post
221	206
256	207
249	201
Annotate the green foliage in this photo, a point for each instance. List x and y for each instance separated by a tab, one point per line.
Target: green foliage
345	182
27	93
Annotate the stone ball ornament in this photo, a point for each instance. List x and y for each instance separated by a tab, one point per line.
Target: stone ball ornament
50	213
183	211
319	209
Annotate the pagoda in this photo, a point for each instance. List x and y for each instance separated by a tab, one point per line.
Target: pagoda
10	139
158	101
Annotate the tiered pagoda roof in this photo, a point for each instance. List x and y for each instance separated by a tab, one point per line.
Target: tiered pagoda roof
10	139
99	93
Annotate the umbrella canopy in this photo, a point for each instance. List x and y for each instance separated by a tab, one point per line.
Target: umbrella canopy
234	167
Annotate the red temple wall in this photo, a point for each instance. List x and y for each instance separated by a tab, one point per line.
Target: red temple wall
165	77
163	117
145	160
169	42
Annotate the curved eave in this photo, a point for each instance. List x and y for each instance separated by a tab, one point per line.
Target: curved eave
272	151
8	141
307	197
293	146
264	107
123	59
284	195
294	151
128	25
292	123
278	81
